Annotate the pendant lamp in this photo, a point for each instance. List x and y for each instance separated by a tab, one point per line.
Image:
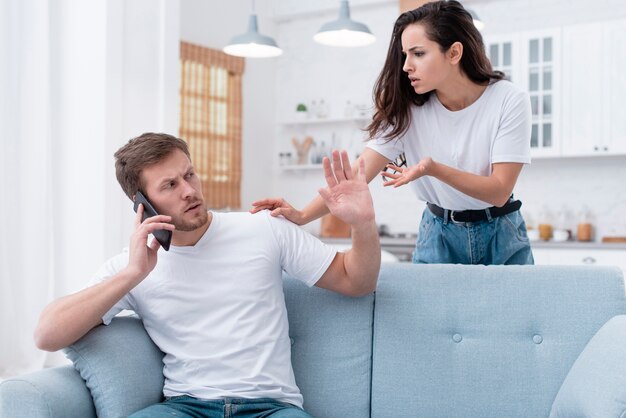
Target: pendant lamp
344	31
252	44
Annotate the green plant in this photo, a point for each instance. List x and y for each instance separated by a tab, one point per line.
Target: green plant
301	107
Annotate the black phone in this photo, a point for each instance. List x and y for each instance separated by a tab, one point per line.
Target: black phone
164	236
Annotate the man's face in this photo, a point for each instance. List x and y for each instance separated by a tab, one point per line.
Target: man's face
174	189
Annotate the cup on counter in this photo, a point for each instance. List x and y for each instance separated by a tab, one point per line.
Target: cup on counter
560	235
545	231
584	232
533	234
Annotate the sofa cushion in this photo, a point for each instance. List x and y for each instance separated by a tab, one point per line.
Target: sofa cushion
596	384
48	393
483	341
331	349
121	366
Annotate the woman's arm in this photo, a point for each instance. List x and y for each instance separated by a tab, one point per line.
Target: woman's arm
374	163
494	189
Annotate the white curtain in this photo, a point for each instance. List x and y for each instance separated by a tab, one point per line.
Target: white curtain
26	254
77	79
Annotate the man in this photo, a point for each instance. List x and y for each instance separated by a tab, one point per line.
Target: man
213	303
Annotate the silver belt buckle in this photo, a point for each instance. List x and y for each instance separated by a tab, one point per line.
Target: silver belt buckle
454	220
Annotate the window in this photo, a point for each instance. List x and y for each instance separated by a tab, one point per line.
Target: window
210	121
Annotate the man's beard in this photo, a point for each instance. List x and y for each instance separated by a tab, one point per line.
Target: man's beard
187	226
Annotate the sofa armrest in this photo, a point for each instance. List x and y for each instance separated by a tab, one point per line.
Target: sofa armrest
48	393
596	384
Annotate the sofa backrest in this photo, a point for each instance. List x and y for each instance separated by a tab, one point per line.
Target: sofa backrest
476	341
331	349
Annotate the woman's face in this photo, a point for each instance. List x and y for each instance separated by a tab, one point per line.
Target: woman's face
426	66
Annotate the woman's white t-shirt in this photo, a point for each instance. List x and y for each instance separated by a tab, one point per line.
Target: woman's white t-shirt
217	309
494	129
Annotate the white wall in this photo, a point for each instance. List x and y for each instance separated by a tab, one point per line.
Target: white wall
204	23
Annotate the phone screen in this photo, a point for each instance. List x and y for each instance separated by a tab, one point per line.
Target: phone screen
164	236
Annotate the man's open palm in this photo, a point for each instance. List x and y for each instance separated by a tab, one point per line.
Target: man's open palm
347	196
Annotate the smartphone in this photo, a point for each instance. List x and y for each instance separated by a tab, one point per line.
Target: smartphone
164	236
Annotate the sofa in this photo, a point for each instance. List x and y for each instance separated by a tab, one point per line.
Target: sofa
433	341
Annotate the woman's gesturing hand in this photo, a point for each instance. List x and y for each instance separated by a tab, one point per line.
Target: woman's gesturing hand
402	176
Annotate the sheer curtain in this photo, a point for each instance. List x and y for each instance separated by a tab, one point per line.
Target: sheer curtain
26	266
77	80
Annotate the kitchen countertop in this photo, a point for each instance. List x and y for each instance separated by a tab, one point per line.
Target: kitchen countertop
567	245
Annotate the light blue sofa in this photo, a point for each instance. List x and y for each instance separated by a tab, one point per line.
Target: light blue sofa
433	341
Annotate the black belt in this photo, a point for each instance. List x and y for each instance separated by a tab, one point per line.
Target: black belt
475	215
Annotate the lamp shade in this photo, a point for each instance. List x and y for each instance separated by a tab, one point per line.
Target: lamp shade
344	31
252	44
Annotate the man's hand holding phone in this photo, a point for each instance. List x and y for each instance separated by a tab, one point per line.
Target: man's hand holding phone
143	257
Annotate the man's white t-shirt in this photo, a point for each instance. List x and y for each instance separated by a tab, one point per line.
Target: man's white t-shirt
217	309
494	129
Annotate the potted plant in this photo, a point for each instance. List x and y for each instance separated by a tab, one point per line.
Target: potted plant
301	111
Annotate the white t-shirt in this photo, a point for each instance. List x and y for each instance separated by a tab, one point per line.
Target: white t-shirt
217	309
494	129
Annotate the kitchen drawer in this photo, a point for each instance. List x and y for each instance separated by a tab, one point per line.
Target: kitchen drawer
602	257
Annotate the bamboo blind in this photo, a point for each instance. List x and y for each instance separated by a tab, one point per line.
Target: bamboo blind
210	121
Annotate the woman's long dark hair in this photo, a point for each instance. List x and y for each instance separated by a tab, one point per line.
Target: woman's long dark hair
445	22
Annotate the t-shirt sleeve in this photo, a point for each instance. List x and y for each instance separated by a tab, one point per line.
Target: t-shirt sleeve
388	149
110	269
302	256
512	142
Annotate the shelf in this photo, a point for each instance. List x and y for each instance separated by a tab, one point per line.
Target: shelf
318	121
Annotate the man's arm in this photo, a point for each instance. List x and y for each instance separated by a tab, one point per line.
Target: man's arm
65	320
347	196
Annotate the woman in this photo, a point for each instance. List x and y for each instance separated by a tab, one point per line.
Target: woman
465	134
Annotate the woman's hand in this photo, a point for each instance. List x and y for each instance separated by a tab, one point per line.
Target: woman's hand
403	176
279	206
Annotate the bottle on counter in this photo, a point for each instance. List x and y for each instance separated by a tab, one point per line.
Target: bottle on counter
584	230
545	224
562	231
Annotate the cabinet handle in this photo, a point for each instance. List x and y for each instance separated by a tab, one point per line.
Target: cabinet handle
589	260
595	148
606	148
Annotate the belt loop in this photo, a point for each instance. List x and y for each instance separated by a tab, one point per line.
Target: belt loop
488	212
446	212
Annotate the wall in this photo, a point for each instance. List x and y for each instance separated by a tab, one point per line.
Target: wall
204	24
310	71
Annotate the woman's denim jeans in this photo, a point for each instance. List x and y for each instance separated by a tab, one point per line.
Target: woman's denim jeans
500	240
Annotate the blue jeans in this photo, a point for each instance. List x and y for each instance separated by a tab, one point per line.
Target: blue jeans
500	240
187	406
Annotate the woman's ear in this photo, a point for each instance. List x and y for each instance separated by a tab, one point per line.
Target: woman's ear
455	52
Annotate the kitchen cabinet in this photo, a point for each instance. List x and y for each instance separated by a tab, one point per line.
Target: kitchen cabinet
541	62
593	89
327	134
531	60
581	256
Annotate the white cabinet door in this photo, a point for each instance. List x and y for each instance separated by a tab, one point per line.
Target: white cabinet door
504	53
583	90
541	76
615	86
